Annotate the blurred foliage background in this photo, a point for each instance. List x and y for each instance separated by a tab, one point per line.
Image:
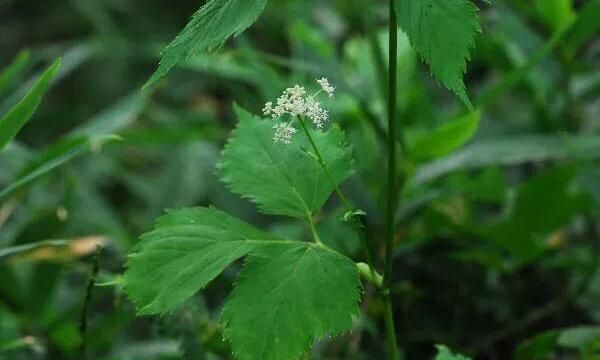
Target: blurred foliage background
497	246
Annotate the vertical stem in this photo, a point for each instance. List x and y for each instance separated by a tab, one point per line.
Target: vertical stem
392	195
86	302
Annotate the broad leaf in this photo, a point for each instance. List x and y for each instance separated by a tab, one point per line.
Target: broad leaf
185	251
446	354
16	118
210	26
288	296
510	151
446	138
283	179
442	31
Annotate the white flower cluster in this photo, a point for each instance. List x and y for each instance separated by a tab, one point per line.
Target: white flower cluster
283	133
295	102
326	86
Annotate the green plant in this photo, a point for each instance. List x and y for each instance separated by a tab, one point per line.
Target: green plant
289	292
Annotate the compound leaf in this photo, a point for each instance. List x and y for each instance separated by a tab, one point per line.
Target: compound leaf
289	296
185	251
442	31
209	28
283	179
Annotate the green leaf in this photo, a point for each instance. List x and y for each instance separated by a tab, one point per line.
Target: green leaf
289	296
442	31
556	13
283	179
289	293
185	251
586	25
534	215
16	118
209	28
14	70
445	354
446	138
53	157
538	347
510	151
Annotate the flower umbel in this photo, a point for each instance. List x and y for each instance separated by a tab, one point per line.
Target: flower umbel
283	133
295	102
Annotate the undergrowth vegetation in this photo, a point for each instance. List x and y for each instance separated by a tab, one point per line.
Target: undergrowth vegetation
292	179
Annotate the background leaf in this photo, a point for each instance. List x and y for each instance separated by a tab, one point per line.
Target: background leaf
283	179
210	26
442	31
445	354
511	151
446	138
15	119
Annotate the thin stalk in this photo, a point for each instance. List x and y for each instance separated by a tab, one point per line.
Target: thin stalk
340	194
392	184
324	166
313	229
83	324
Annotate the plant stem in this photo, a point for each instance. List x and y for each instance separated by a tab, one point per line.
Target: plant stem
340	194
392	184
324	166
86	302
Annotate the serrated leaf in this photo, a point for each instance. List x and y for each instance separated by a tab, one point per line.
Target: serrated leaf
289	296
209	28
446	354
446	138
17	117
283	179
442	31
185	251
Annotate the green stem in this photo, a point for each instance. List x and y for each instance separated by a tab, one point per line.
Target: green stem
321	162
313	229
340	194
392	184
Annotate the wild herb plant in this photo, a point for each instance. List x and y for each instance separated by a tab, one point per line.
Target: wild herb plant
289	293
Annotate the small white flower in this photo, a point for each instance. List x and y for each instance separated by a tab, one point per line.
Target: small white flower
268	109
295	102
283	133
315	112
326	86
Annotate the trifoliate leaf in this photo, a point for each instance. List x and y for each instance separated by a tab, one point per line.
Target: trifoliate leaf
445	354
442	31
185	251
209	28
286	297
283	179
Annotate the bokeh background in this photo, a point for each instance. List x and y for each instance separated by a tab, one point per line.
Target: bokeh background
497	247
